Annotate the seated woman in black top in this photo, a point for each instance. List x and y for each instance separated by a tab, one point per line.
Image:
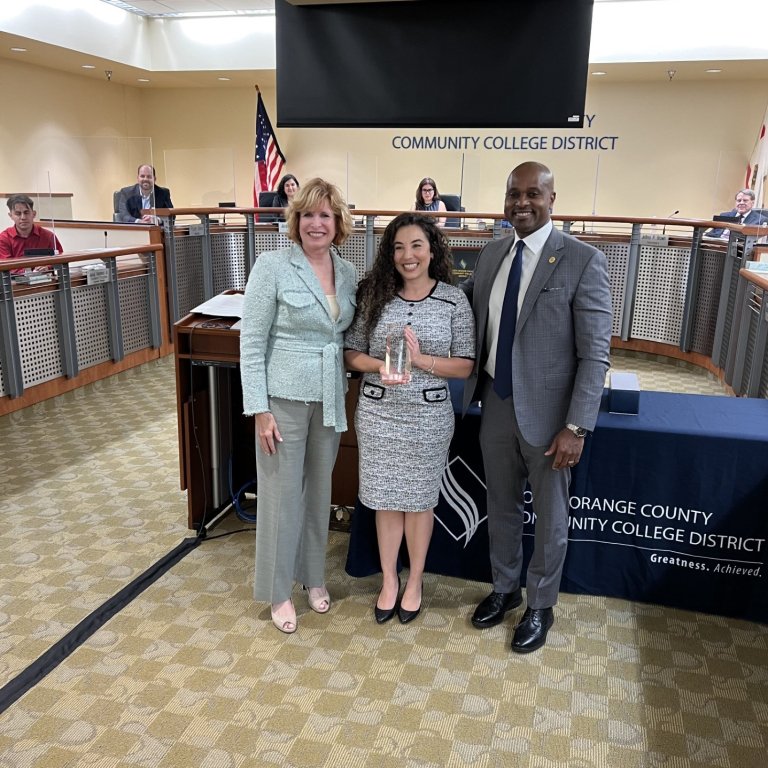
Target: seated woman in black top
286	189
428	199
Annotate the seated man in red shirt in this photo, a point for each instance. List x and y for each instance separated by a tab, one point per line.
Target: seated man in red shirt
24	235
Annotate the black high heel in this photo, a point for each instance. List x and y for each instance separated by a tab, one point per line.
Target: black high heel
383	615
404	614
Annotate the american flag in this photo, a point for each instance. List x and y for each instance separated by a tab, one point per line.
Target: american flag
270	161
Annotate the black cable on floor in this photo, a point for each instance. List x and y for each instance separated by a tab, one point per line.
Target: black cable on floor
35	672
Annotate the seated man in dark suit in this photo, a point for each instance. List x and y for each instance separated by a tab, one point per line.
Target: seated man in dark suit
135	201
745	200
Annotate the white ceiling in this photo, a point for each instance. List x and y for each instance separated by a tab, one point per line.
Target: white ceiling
631	40
159	8
176	7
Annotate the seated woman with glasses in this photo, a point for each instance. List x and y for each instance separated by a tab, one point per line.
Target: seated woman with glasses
428	199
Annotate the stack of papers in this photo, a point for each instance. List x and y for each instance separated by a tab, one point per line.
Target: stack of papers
223	305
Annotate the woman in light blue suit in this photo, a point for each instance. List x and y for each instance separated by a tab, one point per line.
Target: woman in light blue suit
298	303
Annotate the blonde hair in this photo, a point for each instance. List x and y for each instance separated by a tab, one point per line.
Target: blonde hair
310	197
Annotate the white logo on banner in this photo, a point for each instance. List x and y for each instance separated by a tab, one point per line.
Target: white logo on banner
467	519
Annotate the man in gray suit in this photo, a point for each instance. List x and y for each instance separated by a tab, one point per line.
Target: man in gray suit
543	341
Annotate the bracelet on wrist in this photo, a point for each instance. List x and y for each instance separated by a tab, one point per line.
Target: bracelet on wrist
431	368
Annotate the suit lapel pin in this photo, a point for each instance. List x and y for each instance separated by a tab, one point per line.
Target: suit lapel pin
551	259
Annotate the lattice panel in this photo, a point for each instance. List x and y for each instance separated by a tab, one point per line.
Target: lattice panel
228	257
91	328
39	341
617	255
762	390
189	273
353	251
731	272
753	323
134	313
660	297
270	241
706	301
458	241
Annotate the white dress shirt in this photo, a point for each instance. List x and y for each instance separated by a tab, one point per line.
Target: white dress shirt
533	246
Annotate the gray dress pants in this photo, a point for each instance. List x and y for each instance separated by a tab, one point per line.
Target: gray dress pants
509	462
294	500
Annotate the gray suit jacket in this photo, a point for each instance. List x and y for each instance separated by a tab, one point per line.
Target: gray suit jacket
562	342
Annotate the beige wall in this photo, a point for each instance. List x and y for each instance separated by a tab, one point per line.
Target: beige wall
681	145
79	135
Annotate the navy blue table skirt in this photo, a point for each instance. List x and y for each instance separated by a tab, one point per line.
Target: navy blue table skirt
668	507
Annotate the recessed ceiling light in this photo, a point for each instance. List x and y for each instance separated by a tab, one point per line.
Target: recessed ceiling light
19	50
598	74
88	66
712	71
225	78
142	79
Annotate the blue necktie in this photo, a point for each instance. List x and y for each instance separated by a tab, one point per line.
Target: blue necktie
502	382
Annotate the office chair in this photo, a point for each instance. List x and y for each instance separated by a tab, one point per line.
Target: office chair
452	203
116	195
267	200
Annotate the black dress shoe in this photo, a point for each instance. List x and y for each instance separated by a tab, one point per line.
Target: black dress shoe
491	611
531	632
405	615
383	615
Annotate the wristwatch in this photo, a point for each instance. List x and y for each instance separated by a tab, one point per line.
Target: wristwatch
578	431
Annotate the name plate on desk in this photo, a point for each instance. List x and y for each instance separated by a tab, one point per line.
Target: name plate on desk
96	273
660	241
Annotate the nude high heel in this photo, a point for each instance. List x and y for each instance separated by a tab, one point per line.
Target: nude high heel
321	603
287	623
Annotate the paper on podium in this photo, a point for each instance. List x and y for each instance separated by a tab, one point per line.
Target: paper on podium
223	305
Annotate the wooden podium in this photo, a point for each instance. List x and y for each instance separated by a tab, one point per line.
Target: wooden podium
217	444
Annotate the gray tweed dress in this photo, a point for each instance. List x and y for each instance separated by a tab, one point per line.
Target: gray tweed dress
404	431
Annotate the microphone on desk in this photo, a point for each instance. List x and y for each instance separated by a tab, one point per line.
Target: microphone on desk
664	228
105	238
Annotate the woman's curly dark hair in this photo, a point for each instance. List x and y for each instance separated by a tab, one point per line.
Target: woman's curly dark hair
383	282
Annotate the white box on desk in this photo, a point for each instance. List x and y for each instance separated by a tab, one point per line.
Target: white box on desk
624	393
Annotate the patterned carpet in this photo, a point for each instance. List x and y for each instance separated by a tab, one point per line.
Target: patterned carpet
193	674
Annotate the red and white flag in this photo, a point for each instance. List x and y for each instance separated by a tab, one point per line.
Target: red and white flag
270	161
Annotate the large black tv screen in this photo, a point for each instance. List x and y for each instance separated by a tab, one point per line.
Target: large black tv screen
433	64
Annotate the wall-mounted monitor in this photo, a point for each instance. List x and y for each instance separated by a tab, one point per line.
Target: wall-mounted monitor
433	64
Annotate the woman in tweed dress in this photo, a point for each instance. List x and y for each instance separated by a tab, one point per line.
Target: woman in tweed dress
404	429
298	303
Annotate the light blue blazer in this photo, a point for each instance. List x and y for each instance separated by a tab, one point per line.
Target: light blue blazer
290	347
